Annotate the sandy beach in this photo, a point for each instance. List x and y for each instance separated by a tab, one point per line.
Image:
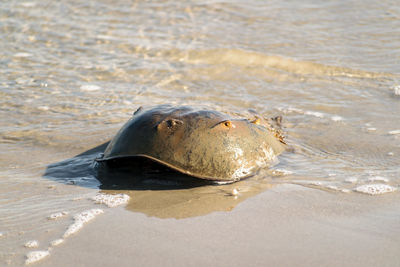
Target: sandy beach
286	225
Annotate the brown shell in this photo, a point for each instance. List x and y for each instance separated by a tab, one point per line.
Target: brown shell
202	143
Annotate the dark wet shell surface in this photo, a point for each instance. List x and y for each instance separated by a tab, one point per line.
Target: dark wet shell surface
202	143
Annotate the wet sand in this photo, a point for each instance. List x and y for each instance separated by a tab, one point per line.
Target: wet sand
286	225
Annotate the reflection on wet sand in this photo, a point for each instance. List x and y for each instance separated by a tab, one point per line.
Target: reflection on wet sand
191	202
154	190
160	192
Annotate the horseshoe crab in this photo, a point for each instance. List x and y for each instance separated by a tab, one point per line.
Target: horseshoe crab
201	143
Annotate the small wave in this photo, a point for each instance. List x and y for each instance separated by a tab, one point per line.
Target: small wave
255	59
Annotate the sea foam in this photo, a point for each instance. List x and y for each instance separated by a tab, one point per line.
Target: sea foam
396	89
31	244
111	200
336	118
80	219
89	87
35	256
56	242
375	189
394	132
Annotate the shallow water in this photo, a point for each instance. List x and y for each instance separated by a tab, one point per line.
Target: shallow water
72	72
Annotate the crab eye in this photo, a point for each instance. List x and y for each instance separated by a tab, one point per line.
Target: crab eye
228	124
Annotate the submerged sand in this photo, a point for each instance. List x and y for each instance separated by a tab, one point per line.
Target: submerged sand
284	226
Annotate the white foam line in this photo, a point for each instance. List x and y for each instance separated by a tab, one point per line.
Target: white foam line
22	54
35	256
89	87
80	219
315	114
394	132
111	200
56	242
375	189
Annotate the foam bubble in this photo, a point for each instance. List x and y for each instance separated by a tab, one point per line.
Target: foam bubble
394	132
90	87
315	114
35	256
43	108
56	242
1	234
31	244
57	215
337	118
22	54
111	200
396	89
371	129
375	189
80	219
